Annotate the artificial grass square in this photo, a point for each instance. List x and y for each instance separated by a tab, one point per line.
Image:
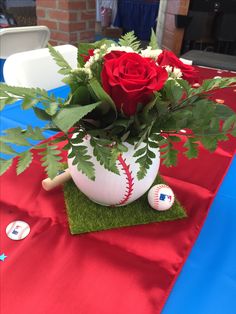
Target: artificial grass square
87	216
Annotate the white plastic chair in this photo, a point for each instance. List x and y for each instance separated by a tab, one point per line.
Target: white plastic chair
36	68
17	39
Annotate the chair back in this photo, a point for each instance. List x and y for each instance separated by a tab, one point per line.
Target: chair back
17	39
36	68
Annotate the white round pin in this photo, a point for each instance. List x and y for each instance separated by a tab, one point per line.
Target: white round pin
17	230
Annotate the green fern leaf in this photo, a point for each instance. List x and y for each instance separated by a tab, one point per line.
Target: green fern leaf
5	165
24	161
28	103
105	155
6	101
145	159
210	142
218	83
51	160
130	40
67	117
82	161
153	41
169	154
65	68
30	96
144	164
15	136
6	149
34	133
192	148
230	123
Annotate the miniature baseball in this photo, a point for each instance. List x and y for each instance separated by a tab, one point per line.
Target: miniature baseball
161	197
17	230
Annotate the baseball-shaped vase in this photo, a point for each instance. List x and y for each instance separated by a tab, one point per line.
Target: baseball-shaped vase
110	189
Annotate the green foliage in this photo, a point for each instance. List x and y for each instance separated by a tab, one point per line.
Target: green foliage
192	148
130	40
7	100
145	155
82	160
30	96
50	160
217	83
106	102
153	41
20	136
15	136
68	116
169	154
83	49
105	154
5	165
89	110
229	124
65	68
24	161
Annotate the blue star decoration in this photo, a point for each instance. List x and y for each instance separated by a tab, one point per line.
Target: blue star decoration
2	257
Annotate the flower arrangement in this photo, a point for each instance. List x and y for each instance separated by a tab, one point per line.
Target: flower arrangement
120	94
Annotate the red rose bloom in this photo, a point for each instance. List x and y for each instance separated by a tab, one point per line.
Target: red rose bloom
87	57
169	58
130	79
113	55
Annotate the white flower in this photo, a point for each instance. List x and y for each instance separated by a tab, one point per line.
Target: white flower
150	53
174	73
177	73
113	47
168	69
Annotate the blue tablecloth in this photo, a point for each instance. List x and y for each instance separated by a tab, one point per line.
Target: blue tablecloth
2	61
207	283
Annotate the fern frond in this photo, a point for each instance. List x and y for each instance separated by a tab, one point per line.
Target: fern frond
31	96
130	40
65	68
51	160
153	41
5	164
24	161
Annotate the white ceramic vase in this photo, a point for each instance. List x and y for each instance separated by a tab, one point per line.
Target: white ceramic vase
110	189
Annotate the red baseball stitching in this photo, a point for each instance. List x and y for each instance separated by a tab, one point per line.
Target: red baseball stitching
12	228
156	198
129	180
22	232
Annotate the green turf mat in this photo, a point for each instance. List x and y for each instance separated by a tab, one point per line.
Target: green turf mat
87	216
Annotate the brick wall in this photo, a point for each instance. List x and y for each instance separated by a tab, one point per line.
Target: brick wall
70	21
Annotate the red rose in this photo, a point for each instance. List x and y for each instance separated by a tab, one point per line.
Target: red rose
131	79
87	57
169	58
113	54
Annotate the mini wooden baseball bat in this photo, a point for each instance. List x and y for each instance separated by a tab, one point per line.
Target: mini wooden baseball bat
49	184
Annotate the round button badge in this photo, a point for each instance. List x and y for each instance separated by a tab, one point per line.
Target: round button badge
17	230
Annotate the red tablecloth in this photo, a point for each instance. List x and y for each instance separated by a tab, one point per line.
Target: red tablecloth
127	270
